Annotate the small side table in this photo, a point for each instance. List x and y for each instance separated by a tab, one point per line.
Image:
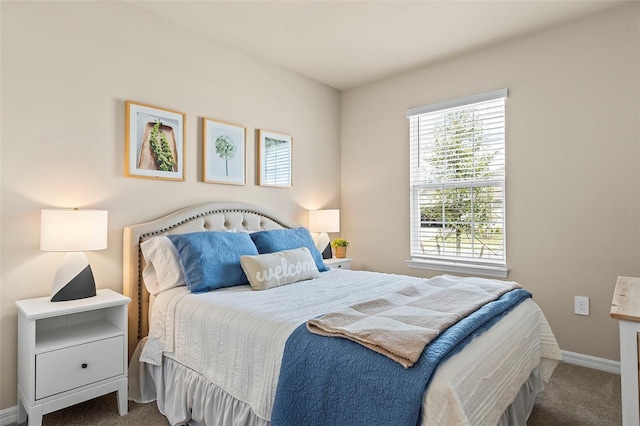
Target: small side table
338	263
625	307
70	352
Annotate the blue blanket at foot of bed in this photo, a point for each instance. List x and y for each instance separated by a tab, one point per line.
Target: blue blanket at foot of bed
334	382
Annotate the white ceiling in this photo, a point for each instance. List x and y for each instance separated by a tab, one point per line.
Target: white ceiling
348	43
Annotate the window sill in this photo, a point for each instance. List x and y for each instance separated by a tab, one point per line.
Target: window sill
494	271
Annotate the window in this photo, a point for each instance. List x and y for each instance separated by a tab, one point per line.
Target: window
457	166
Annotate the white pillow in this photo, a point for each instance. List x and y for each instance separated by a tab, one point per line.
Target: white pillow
162	270
270	270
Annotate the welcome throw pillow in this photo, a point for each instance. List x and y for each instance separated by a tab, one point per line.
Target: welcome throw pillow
270	270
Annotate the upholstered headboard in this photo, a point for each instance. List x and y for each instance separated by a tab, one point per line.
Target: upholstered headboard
213	216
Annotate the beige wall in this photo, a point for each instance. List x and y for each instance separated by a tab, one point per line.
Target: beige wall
67	68
573	154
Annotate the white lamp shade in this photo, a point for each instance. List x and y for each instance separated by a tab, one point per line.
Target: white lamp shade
73	230
324	220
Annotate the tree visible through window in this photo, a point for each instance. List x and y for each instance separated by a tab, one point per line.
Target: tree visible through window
457	181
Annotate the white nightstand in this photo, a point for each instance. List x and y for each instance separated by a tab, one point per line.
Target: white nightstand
342	263
70	352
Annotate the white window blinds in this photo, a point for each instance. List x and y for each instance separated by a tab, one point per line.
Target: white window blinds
277	162
457	164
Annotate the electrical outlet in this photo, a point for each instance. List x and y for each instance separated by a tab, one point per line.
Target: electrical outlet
582	305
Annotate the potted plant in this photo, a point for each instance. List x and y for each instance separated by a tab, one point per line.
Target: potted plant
340	247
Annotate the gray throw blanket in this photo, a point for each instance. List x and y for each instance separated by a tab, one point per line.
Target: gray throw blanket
402	323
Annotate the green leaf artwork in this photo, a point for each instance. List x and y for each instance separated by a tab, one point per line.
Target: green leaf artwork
161	149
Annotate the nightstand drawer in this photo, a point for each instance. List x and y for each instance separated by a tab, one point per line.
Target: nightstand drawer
338	262
75	366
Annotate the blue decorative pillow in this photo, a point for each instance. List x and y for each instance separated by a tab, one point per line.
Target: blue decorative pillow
211	260
287	239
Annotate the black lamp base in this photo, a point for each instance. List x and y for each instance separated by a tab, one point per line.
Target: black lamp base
326	253
80	287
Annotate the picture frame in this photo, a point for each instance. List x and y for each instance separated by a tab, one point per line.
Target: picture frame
224	153
275	159
154	142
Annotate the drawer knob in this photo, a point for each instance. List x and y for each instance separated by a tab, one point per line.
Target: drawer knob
84	365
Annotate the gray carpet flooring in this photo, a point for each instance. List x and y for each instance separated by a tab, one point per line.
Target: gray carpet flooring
579	396
575	396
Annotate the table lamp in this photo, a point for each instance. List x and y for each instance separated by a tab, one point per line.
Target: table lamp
73	231
323	221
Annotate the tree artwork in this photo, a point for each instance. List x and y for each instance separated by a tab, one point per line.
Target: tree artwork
225	149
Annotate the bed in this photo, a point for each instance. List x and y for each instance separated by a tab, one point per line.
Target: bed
216	357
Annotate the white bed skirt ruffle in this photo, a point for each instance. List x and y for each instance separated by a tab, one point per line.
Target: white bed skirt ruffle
185	397
520	409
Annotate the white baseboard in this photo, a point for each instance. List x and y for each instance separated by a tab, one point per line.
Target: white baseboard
9	416
591	362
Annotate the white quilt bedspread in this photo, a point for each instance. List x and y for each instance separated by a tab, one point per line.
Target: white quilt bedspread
235	337
475	386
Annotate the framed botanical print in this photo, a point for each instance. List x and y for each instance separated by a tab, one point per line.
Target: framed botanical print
275	159
154	142
223	152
